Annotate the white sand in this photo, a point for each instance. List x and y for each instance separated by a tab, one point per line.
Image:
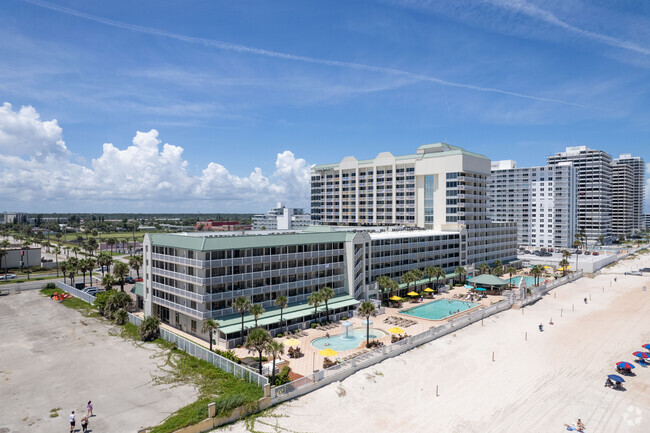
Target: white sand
555	377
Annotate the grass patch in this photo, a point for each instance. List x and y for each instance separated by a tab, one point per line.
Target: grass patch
214	386
25	280
74	303
130	331
54	412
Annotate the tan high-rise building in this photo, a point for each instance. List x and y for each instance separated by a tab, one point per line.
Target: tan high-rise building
627	194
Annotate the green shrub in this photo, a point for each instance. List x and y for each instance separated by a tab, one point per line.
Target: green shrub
228	354
283	377
101	299
149	328
314	325
280	335
49	286
121	316
344	318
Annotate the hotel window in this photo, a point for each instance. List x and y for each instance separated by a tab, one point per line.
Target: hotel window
429	185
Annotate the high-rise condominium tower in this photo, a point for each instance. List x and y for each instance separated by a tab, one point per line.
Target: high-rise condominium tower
594	170
627	214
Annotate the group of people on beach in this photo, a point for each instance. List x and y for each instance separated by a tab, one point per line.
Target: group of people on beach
84	419
579	426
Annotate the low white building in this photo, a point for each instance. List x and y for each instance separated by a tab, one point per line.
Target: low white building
17	258
282	218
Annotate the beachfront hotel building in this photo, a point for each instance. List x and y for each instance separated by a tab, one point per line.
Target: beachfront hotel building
191	277
594	171
628	182
282	218
542	201
440	187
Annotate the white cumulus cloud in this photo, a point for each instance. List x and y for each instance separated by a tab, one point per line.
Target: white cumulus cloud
144	176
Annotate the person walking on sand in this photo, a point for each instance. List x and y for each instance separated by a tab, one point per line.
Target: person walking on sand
585	300
84	424
72	421
580	425
89	408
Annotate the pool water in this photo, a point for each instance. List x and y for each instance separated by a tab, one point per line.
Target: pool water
339	342
439	309
530	281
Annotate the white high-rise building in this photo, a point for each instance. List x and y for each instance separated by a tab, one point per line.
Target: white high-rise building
441	187
627	219
282	218
594	170
542	201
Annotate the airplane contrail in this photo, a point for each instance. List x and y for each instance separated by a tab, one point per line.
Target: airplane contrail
305	59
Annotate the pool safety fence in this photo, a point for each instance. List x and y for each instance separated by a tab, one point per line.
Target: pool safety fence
185	345
537	292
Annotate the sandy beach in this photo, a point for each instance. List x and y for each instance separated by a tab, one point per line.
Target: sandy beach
537	382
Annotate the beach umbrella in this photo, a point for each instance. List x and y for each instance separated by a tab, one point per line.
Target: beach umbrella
646	346
624	364
395	298
291	342
396	330
480	289
328	352
616	378
428	290
641	355
412	294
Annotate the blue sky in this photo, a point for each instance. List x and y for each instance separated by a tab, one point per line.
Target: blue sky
248	94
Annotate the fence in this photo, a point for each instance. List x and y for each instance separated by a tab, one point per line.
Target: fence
542	289
341	371
184	344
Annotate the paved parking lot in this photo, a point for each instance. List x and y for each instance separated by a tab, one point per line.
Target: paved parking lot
54	357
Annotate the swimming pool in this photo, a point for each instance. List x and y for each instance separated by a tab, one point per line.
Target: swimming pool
439	309
340	342
530	281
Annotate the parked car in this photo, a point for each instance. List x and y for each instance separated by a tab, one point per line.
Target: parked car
542	250
527	252
577	252
546	254
537	253
587	253
8	276
100	269
138	279
637	273
129	280
644	270
551	250
595	253
91	290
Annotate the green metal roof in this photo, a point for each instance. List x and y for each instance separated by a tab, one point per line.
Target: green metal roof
232	323
487	280
207	243
138	289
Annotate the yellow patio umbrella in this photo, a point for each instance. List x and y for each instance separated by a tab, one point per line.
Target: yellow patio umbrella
395	298
396	330
412	294
328	352
547	267
291	342
428	290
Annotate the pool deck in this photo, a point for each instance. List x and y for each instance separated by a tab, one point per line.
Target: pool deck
312	360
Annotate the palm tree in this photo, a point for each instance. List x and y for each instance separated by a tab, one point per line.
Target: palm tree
461	271
601	240
438	273
417	276
256	311
72	267
510	270
108	281
315	299
367	310
3	253
275	349
566	254
407	278
258	339
135	262
105	260
209	326
149	328
91	264
240	305
564	263
537	271
26	253
484	268
282	302
111	242
429	272
326	294
120	270
83	267
576	245
384	282
498	270
75	250
57	251
64	269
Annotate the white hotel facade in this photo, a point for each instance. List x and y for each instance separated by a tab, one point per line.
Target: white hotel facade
379	217
542	201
